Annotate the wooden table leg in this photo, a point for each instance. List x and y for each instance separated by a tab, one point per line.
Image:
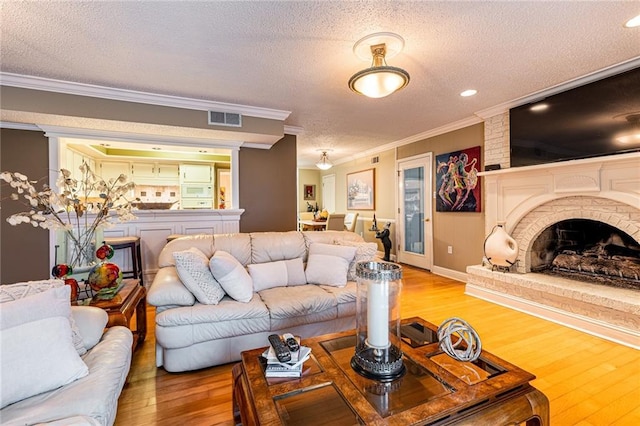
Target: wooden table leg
141	318
243	409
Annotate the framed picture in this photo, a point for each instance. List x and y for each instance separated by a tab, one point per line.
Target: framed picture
361	189
457	182
309	192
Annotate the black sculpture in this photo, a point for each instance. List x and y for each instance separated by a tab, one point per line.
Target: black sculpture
386	241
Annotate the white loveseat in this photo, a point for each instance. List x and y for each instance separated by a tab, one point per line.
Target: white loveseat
91	396
192	335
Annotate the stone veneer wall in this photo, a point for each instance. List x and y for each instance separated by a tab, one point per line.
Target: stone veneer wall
496	141
619	215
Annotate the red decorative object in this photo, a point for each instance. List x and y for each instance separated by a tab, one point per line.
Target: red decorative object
75	288
105	278
61	270
105	251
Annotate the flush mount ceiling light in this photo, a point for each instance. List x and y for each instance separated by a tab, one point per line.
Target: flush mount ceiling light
324	163
379	80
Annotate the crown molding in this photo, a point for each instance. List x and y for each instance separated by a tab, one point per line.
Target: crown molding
18	126
456	125
256	145
562	87
101	135
293	130
82	89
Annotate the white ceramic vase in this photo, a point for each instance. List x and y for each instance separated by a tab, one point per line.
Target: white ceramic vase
499	248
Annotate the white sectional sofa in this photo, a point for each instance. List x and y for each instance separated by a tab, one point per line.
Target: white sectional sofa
192	335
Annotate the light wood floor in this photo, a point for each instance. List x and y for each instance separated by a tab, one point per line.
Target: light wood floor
589	381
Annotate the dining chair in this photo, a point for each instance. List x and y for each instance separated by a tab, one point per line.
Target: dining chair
335	222
350	221
304	216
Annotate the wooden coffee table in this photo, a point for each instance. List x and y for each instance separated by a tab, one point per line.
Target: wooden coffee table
436	390
132	298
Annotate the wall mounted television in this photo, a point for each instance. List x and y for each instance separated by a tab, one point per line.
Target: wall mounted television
599	118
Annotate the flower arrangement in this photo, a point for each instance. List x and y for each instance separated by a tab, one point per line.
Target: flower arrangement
80	208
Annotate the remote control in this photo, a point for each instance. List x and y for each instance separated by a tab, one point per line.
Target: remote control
291	342
281	350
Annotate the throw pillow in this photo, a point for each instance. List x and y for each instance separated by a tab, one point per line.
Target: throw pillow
60	304
277	274
37	357
232	276
193	269
268	275
365	252
295	272
328	264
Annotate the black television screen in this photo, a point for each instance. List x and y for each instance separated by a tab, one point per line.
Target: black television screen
600	118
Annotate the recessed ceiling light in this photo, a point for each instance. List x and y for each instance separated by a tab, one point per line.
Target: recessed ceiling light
633	22
538	107
469	92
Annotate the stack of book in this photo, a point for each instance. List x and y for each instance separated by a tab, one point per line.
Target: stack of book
292	368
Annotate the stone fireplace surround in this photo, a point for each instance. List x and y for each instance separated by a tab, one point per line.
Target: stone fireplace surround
526	201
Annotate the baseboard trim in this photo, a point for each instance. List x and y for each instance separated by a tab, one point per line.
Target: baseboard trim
450	273
617	334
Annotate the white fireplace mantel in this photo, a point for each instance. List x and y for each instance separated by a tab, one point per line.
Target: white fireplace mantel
511	193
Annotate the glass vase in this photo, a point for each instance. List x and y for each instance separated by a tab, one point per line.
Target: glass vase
77	248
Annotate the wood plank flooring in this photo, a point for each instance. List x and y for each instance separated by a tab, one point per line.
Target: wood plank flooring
589	381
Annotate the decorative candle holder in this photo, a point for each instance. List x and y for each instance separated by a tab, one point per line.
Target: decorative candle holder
378	355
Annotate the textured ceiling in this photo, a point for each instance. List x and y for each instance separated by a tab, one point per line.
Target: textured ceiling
297	56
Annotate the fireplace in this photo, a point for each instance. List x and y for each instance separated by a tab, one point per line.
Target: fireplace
588	250
577	225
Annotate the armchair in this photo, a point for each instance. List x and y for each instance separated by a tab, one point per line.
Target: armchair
83	380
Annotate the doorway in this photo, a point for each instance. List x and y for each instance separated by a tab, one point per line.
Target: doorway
329	193
415	230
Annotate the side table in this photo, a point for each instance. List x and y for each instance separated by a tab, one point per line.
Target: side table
132	298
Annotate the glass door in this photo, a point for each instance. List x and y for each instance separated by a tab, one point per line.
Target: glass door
415	245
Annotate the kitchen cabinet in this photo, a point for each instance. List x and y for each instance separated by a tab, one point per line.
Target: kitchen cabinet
73	161
155	173
113	170
168	171
143	170
195	173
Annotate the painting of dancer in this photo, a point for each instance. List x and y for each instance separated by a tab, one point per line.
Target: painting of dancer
457	182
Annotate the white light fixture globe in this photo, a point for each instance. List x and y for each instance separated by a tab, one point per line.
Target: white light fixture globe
324	163
379	80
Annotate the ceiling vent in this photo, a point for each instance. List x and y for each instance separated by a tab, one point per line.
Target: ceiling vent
230	119
375	160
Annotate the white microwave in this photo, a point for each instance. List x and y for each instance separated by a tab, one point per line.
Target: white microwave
196	190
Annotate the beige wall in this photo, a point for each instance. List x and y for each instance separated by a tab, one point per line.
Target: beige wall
24	250
463	231
309	177
385	181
